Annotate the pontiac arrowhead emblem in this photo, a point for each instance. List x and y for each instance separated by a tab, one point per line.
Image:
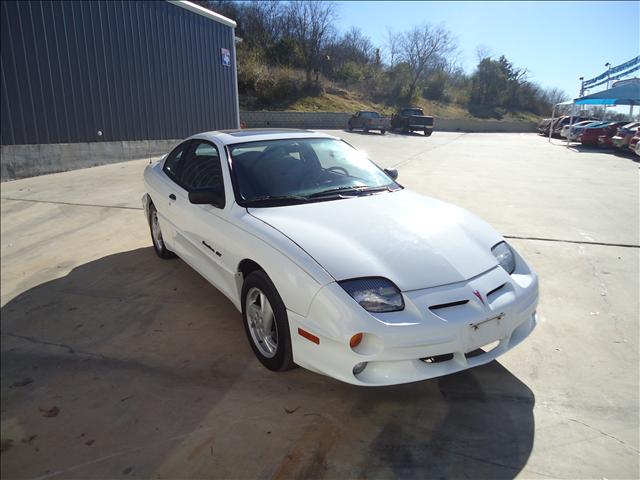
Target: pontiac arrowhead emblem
477	294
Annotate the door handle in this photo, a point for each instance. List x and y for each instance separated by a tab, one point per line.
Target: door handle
172	196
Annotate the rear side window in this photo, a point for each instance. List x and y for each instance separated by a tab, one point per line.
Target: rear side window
201	168
174	160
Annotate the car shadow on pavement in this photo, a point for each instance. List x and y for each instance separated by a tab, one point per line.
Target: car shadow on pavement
131	365
624	153
362	132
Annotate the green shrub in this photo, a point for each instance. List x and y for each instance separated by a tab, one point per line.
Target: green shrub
349	72
279	85
435	88
251	68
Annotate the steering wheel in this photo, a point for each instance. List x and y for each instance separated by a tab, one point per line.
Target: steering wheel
339	169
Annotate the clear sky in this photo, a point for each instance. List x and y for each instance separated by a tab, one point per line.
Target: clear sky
557	41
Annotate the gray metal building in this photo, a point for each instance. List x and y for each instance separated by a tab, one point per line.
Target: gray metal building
86	83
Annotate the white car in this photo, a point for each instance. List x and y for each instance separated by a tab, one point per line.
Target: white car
334	265
572	131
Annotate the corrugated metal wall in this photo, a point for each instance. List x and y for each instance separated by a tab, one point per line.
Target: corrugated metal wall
134	70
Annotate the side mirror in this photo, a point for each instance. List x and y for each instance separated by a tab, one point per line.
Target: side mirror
392	172
207	196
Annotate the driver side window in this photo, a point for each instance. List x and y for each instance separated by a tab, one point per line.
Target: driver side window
174	161
201	167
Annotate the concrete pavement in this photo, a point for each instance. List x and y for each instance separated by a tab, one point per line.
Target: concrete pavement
117	364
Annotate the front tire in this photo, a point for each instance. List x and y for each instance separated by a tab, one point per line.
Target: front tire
156	235
383	131
350	127
265	322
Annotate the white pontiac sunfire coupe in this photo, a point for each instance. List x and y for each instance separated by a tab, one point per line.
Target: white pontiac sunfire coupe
334	265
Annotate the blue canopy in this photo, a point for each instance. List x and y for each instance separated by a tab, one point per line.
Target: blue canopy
624	93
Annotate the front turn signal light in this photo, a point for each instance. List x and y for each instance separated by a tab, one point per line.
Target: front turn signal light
355	340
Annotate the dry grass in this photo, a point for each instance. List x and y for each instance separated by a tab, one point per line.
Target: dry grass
333	102
336	99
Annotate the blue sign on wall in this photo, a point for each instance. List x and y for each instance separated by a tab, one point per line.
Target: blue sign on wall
225	56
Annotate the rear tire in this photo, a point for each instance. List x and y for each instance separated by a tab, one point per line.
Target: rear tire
266	323
383	131
350	127
428	132
156	235
365	129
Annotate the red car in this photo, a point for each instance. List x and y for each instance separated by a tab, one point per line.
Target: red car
621	139
589	135
606	140
633	143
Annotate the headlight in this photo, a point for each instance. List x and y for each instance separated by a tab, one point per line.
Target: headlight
375	294
505	256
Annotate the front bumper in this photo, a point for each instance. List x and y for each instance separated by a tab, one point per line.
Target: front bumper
619	142
419	342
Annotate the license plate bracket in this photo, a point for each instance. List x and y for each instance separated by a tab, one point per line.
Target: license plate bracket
484	332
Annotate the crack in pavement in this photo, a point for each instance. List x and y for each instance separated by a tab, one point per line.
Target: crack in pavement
605	434
138	449
496	463
69	348
579	242
70	203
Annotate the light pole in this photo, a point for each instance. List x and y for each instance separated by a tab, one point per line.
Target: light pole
581	88
608	65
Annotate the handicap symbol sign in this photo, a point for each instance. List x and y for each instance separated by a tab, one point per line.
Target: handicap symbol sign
225	55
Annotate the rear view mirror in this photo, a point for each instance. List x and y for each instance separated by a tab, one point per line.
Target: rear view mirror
207	196
392	172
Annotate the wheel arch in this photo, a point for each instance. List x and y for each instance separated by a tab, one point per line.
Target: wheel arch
246	266
146	204
295	286
243	269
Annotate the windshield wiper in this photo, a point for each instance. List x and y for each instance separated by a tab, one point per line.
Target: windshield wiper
344	189
276	199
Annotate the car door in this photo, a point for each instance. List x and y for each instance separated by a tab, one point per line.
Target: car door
203	232
357	121
164	194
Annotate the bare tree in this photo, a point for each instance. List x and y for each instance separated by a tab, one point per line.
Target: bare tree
359	44
482	52
555	95
310	23
422	47
392	46
262	21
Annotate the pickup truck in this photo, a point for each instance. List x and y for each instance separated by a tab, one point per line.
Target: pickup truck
411	120
368	121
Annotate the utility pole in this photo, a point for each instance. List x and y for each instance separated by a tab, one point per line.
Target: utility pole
608	65
581	89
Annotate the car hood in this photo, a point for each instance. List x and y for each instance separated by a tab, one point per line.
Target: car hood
415	241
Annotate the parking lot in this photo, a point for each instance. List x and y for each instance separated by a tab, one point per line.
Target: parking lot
118	364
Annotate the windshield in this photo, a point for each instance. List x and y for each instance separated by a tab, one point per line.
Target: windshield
303	169
370	114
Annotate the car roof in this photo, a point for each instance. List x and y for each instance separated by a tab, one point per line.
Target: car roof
229	137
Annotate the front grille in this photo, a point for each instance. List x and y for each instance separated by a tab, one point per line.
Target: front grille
447	305
438	358
495	290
